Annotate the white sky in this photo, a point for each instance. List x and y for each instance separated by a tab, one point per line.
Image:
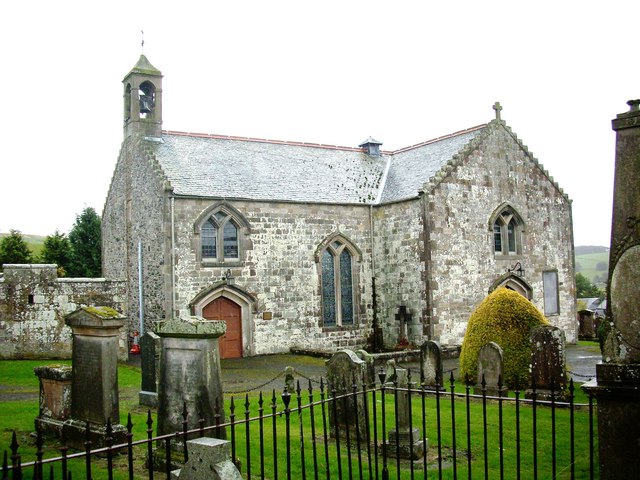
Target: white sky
324	72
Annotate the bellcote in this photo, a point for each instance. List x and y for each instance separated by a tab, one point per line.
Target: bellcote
143	100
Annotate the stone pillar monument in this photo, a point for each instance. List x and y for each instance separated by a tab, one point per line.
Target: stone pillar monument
617	383
189	373
94	385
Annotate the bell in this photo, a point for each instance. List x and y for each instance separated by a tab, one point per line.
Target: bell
146	103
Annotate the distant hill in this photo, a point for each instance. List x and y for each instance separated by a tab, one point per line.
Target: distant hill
593	263
586	249
34	242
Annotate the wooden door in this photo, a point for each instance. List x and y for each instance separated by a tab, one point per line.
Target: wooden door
224	309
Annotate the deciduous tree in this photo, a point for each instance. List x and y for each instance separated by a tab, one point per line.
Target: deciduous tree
584	288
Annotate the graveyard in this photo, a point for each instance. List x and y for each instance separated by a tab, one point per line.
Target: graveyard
295	424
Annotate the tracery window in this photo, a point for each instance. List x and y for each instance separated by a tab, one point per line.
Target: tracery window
507	232
337	282
221	230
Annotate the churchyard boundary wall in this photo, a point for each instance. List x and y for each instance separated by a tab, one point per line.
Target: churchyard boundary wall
34	301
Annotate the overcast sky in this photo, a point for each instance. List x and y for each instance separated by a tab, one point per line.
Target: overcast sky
324	72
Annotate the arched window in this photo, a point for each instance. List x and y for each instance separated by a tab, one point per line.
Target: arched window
337	272
221	230
507	231
147	95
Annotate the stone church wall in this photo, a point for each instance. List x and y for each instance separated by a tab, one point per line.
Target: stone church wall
464	266
400	268
279	270
135	211
33	303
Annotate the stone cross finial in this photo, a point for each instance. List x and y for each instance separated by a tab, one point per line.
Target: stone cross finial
497	107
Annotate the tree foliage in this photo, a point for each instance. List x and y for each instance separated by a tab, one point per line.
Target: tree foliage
13	249
57	249
584	288
85	240
506	318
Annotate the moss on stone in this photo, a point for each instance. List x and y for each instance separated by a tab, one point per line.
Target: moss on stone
506	318
103	312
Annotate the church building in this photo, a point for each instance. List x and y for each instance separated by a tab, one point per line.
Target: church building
317	247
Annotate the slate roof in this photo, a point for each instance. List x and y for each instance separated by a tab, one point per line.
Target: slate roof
243	168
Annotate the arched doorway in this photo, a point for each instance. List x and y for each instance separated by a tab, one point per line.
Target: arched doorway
224	309
515	283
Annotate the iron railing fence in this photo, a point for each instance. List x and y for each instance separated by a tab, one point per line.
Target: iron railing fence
292	436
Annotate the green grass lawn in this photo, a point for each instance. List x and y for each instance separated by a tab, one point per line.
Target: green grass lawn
17	378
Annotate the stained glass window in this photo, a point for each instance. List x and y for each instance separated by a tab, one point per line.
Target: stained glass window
328	289
346	288
209	237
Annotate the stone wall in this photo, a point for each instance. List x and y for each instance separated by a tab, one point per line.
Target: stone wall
137	211
279	271
400	268
460	205
34	301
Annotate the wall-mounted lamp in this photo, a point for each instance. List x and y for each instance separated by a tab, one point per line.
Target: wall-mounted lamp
517	268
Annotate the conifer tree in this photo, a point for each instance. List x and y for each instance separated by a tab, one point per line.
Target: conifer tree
13	249
85	239
57	249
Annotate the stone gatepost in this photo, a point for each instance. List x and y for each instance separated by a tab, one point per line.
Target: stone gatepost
491	366
189	373
548	364
404	441
343	369
94	385
617	383
55	398
149	362
431	364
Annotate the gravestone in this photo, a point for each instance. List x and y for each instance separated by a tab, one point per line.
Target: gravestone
343	369
370	366
490	364
617	383
189	373
209	458
404	441
548	365
55	397
94	385
149	363
431	364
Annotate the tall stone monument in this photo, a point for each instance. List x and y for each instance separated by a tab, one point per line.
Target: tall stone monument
94	384
617	383
189	373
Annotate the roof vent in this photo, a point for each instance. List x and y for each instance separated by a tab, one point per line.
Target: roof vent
371	147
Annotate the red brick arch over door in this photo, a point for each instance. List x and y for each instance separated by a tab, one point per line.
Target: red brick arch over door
224	309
